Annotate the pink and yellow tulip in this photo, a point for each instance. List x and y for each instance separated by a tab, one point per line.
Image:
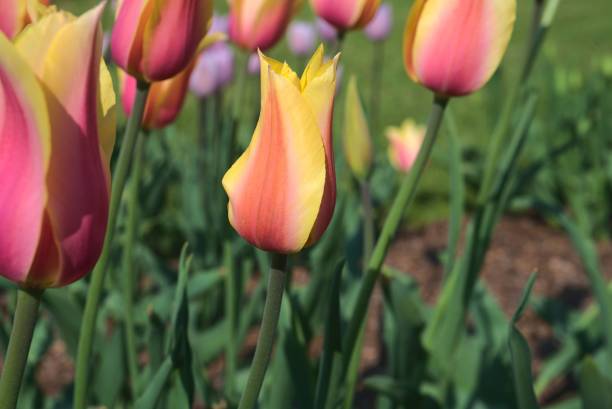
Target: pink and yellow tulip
16	14
156	40
282	190
346	14
404	144
164	102
453	47
57	130
259	24
357	141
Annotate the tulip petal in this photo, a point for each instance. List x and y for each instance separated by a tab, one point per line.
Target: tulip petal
162	34
10	16
319	93
276	187
128	32
24	158
77	180
455	46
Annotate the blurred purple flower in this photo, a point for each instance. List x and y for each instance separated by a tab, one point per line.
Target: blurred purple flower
379	28
302	38
220	24
213	71
326	30
254	65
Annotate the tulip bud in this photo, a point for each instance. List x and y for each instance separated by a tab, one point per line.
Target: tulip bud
379	28
346	14
404	144
301	37
257	24
156	40
164	102
59	102
453	47
282	190
16	14
356	138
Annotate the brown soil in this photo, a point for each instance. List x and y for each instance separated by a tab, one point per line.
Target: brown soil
520	246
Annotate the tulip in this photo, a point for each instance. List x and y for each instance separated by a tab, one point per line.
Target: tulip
379	28
259	24
156	40
59	102
16	14
346	14
404	144
164	102
453	47
301	37
214	70
282	190
356	141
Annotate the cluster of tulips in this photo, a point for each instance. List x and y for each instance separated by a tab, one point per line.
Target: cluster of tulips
59	202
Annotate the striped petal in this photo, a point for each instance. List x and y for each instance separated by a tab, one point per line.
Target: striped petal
454	46
276	187
24	158
319	91
81	105
259	24
172	35
127	36
346	14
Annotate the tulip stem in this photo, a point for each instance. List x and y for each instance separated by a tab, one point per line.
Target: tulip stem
129	272
368	222
97	280
16	356
265	341
401	202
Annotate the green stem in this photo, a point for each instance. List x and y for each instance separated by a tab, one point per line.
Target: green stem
97	280
265	341
16	356
401	202
129	271
368	222
232	317
503	125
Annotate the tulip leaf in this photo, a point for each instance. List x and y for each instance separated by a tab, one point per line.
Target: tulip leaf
521	357
332	343
595	387
151	395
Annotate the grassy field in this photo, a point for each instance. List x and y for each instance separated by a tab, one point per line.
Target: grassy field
580	37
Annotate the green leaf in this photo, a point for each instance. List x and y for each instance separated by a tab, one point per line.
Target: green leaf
595	387
67	313
151	395
521	357
110	372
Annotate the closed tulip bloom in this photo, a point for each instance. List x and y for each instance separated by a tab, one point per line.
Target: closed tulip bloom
326	31
16	14
259	24
253	65
156	40
57	129
379	28
346	14
164	102
453	47
356	138
282	190
404	144
302	38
